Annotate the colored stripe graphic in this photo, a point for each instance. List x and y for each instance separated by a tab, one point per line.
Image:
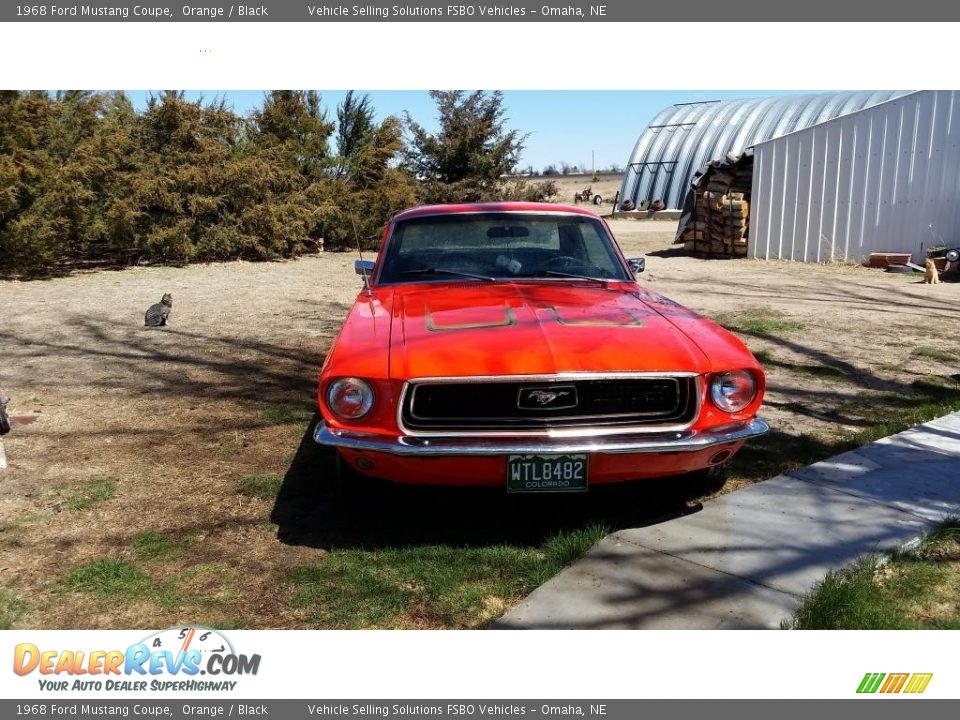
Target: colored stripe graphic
918	683
894	683
870	682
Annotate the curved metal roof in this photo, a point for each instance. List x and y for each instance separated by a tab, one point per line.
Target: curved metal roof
683	138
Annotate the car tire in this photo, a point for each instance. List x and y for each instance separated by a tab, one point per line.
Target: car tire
597	200
709	480
348	481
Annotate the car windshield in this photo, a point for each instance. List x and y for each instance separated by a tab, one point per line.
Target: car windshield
500	246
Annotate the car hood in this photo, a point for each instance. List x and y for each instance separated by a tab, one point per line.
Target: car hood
532	328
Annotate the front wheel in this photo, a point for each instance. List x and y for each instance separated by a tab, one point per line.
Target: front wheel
349	483
707	481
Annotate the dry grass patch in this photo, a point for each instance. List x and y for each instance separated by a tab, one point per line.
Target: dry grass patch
11	608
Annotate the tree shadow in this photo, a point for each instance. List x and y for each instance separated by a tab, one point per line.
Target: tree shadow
860	292
313	510
778	452
171	361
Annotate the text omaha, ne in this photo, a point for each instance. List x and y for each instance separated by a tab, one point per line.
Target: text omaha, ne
320	12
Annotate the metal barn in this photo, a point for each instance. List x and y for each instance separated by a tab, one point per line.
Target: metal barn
835	176
882	179
683	138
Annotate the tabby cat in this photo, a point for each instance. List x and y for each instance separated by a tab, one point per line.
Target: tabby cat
4	420
158	314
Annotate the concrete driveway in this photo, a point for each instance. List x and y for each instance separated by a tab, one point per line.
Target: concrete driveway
746	559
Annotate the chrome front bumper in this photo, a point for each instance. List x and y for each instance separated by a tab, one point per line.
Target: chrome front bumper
688	441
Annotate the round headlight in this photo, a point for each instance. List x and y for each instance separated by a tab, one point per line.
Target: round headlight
350	398
733	391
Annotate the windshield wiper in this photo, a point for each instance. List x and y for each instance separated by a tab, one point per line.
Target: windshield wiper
557	273
444	271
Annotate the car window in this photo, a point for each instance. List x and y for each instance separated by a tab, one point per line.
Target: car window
420	237
501	246
596	246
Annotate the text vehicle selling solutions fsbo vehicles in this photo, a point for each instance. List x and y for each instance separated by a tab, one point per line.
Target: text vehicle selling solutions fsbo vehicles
509	345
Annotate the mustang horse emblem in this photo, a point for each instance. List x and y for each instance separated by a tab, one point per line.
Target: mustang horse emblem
545	397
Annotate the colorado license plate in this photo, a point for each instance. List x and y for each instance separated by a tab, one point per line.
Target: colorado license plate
547	473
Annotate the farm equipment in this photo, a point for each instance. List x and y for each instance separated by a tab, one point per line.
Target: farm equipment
586	195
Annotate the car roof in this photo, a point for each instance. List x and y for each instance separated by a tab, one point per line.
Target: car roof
492	207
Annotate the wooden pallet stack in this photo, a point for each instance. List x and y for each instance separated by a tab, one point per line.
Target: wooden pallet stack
720	229
721	217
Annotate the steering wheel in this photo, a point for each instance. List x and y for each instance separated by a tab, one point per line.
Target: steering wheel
567	262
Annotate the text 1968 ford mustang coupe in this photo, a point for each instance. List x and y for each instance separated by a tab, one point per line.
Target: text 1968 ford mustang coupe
508	345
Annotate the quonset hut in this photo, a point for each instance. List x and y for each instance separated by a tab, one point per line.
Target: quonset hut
832	176
683	138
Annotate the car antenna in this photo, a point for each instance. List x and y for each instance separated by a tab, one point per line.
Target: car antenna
366	279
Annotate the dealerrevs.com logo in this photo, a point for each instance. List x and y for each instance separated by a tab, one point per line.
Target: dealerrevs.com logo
171	659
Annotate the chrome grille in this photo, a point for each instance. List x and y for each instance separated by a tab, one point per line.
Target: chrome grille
538	404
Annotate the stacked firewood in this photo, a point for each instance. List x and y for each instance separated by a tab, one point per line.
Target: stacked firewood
721	213
721	225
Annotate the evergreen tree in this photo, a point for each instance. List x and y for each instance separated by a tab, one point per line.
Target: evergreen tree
366	190
85	179
355	125
473	149
29	236
292	124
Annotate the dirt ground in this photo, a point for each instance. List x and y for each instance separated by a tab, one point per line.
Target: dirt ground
172	419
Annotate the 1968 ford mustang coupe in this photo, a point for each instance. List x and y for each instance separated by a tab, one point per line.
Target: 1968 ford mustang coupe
509	345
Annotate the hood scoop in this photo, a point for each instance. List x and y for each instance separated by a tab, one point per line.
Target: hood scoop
469	318
595	316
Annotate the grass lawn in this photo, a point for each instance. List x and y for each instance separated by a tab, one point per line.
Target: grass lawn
433	586
398	561
917	589
230	515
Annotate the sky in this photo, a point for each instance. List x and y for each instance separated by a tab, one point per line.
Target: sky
565	126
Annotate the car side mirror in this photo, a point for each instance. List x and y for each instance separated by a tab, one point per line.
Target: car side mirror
363	267
637	265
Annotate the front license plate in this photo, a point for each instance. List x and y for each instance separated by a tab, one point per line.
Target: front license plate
547	473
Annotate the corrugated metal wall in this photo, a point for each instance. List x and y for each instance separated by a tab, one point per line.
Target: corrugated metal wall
681	139
884	179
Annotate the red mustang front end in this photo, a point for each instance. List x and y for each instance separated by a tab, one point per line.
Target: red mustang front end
509	345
